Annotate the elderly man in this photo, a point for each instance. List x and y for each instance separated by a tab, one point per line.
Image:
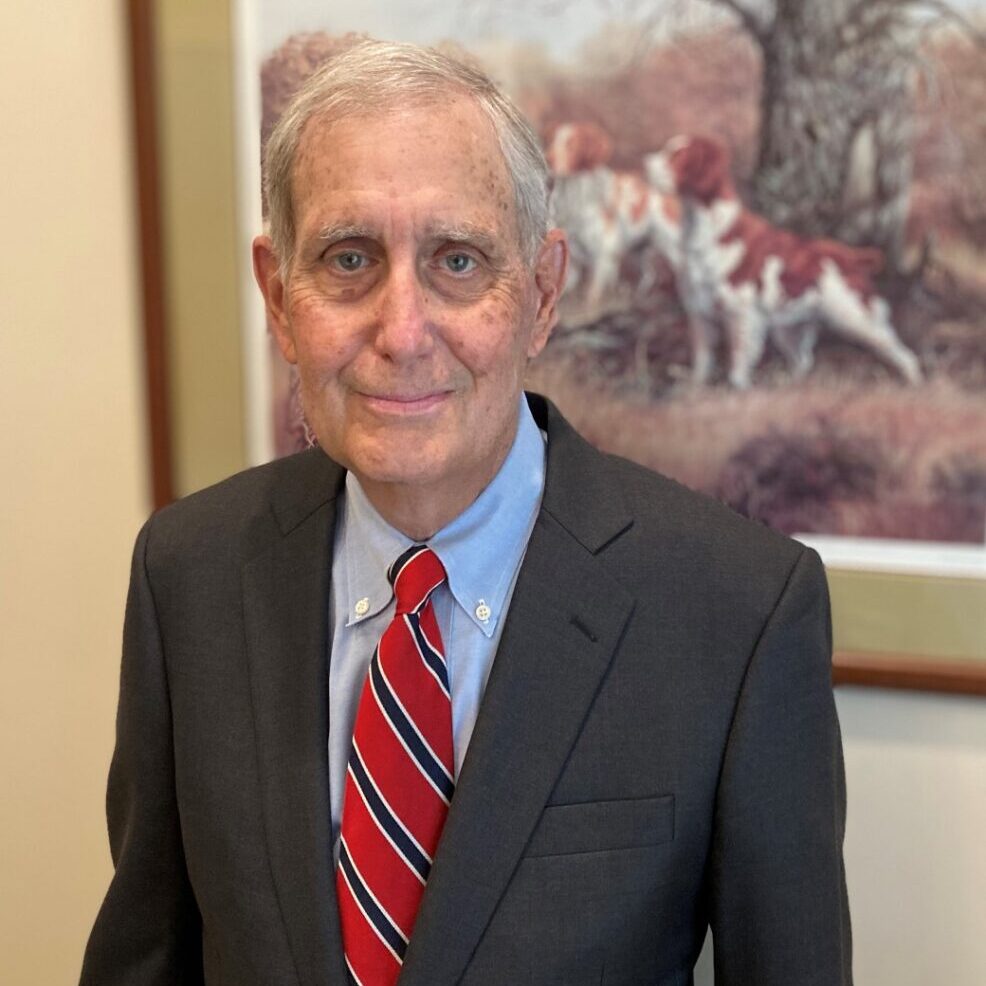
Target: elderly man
456	698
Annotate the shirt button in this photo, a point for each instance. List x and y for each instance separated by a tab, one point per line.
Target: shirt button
483	612
362	607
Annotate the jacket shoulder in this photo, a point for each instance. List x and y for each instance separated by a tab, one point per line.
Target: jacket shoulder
643	520
698	534
704	512
239	513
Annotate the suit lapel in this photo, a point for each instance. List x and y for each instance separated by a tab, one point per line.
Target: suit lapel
565	621
285	599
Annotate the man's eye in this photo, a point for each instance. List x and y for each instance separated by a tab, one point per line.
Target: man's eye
458	263
350	260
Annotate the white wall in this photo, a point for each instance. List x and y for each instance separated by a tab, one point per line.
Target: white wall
916	836
73	457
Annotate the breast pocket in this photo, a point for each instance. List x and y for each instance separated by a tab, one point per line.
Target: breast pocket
603	826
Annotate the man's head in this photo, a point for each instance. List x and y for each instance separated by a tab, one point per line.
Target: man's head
409	274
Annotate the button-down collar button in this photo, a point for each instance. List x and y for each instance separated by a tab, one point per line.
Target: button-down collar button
483	612
362	606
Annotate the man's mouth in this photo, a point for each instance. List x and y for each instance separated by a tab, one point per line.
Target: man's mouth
398	402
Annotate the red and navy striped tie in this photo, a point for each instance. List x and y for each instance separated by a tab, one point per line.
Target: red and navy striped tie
400	779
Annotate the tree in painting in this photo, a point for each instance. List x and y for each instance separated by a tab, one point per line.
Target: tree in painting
836	105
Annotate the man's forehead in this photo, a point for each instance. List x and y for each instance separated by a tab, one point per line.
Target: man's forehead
459	116
347	166
457	127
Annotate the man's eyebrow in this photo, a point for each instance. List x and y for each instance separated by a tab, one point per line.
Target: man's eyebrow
465	232
334	232
456	232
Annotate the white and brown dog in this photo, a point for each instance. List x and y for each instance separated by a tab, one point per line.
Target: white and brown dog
606	214
738	271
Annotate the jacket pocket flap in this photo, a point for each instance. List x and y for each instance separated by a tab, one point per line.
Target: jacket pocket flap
596	826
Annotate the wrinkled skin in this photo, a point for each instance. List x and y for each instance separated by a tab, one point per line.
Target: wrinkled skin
409	309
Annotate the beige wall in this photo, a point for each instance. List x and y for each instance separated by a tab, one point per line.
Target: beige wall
73	454
916	836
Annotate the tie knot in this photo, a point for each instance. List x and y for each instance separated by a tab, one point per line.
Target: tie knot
415	576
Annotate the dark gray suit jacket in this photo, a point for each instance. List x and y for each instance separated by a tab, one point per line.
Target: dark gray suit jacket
657	750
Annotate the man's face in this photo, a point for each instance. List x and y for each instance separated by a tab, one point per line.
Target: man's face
409	310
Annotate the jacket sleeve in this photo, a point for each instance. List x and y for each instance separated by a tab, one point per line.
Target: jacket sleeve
148	930
778	909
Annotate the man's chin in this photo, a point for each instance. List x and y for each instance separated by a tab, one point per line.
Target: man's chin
398	466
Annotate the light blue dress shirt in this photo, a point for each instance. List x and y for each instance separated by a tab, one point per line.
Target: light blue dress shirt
481	550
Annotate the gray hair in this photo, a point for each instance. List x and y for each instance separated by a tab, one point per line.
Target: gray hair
376	75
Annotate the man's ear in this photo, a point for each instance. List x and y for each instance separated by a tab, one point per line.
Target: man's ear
550	268
266	270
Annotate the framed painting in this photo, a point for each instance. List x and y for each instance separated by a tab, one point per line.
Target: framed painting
777	221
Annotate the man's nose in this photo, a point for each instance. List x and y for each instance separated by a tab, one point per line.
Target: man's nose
403	329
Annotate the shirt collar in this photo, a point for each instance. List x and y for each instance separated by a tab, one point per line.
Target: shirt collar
481	549
368	545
